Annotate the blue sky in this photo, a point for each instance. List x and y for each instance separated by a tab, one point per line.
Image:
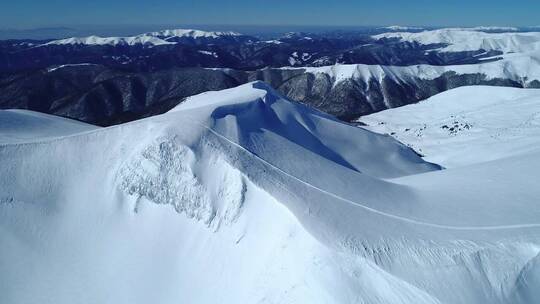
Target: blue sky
44	13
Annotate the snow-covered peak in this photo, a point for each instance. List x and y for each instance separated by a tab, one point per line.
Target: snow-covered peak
152	38
193	33
458	40
143	39
257	106
403	28
250	92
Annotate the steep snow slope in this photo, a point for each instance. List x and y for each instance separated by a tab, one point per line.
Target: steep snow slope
275	203
466	125
458	40
269	126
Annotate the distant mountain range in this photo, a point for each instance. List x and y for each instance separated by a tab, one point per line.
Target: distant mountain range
194	48
157	38
108	80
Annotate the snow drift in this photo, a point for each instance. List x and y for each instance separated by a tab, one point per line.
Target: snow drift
243	196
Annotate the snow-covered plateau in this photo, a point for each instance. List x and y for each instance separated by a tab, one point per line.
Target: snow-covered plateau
466	125
461	40
242	196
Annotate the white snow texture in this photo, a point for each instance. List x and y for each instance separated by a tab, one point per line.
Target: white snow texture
242	196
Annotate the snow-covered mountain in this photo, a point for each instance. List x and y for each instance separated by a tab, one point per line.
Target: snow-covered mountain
462	40
96	40
244	196
402	28
101	95
491	28
466	125
499	29
347	91
194	33
521	68
163	37
162	50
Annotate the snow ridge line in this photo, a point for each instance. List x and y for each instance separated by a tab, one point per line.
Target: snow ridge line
338	197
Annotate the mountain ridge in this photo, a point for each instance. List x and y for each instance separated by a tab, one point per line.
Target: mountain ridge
164	37
209	179
107	96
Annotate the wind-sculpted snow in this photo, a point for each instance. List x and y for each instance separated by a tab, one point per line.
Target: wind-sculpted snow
526	289
268	125
241	196
167	172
